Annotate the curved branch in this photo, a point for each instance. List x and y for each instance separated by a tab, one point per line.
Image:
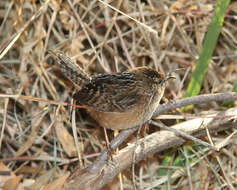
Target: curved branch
101	172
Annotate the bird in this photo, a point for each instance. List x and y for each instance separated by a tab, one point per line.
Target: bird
117	101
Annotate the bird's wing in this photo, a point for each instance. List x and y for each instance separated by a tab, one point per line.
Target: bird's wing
111	93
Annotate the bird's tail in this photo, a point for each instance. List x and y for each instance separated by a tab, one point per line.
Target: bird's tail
73	72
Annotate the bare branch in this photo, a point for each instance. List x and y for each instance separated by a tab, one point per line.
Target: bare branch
101	172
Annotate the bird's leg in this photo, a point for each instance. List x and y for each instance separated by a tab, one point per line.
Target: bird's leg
110	151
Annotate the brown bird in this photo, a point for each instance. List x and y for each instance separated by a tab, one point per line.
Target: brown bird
116	101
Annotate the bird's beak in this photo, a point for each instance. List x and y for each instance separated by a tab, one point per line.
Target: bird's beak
169	77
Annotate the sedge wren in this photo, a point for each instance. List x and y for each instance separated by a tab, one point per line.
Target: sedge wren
116	101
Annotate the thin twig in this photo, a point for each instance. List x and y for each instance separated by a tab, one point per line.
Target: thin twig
142	24
184	135
201	99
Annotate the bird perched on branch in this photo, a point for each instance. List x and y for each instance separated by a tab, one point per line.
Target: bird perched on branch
116	101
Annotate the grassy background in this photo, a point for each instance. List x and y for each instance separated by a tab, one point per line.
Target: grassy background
37	145
209	45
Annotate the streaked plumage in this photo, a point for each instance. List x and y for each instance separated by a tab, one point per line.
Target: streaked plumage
116	101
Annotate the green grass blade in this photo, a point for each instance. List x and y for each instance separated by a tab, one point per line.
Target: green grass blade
230	104
207	50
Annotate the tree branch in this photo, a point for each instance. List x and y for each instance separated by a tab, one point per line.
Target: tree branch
101	172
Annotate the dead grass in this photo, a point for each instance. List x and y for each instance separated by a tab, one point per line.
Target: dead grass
37	144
